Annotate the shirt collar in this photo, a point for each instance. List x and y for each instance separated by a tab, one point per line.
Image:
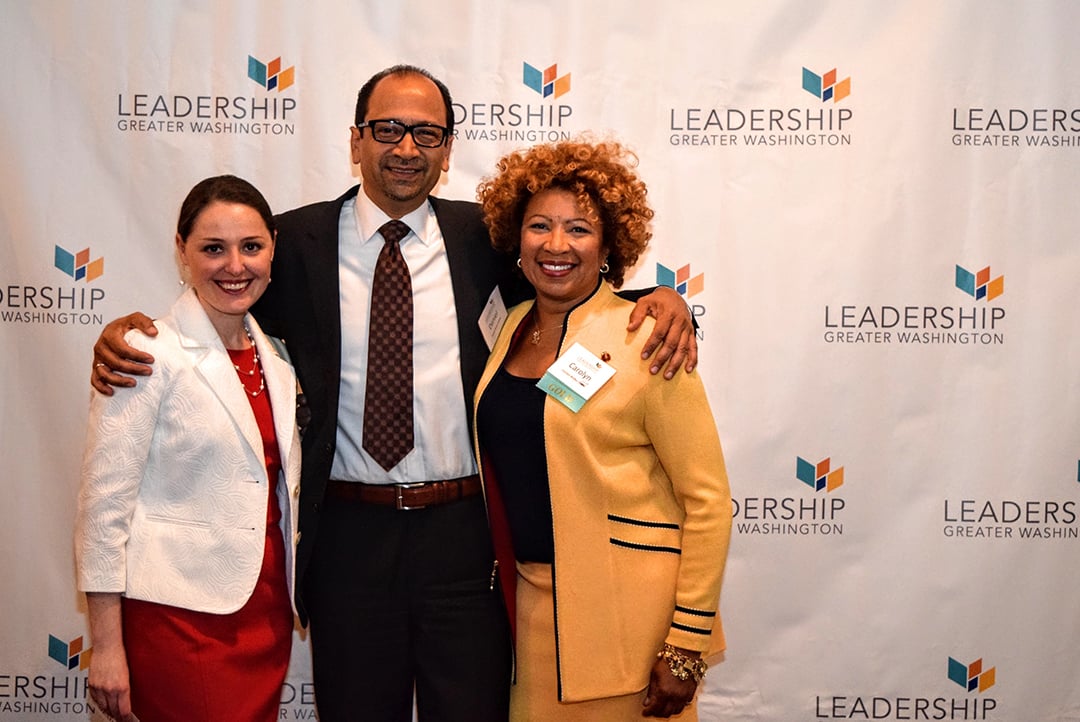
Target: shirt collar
370	218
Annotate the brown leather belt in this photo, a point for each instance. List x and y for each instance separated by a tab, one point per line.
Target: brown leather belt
405	496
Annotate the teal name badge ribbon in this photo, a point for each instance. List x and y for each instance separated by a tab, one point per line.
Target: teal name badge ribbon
575	377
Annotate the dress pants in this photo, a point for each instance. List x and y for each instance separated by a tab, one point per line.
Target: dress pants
402	600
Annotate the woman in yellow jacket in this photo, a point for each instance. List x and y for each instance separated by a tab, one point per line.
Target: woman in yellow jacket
607	496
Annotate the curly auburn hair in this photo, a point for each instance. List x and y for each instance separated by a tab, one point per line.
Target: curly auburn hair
599	174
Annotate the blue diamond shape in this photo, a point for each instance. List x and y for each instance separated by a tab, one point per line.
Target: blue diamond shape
256	71
533	78
811	82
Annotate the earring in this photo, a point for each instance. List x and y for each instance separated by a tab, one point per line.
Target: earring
519	262
605	267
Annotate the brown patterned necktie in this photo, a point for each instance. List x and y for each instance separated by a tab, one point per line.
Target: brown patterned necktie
388	404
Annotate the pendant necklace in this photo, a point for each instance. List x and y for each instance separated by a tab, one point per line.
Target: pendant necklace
534	337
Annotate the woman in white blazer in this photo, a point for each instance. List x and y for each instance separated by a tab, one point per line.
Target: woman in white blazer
186	521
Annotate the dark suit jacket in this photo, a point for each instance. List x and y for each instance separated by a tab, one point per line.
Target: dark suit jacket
301	306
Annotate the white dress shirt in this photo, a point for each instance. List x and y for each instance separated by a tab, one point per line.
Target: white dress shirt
443	447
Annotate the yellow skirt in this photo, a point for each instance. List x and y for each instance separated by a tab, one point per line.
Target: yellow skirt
535	696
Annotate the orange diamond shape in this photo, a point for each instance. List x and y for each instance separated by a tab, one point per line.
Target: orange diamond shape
562	85
286	78
822	467
94	269
842	90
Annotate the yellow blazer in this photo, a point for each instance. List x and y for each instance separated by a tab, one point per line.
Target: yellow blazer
641	510
172	504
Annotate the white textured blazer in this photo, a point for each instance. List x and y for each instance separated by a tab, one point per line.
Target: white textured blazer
172	502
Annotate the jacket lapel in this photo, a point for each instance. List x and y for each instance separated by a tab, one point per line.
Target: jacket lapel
212	363
321	265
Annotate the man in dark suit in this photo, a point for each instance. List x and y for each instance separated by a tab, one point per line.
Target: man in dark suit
394	565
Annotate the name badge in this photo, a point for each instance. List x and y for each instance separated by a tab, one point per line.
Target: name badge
492	318
575	377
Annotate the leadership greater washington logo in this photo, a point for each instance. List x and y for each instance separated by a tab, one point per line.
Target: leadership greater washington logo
680	279
78	302
816	513
271	76
503	117
204	110
546	82
915	704
824	124
978	320
78	265
826	86
70	654
972	676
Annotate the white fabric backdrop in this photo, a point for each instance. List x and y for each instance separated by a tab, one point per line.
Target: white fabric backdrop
955	526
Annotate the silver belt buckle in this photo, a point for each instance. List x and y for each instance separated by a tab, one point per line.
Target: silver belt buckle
400	489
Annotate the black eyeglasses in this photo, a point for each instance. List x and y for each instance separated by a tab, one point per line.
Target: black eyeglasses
424	135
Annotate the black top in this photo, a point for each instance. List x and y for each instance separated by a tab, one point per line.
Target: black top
510	426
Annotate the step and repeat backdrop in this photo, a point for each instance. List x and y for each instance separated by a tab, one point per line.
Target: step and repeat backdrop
871	209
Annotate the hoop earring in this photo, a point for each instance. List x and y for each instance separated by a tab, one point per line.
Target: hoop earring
604	268
519	262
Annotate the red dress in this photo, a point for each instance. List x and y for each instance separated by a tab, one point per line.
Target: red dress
188	666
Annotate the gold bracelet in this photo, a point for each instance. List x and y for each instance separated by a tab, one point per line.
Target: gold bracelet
683	666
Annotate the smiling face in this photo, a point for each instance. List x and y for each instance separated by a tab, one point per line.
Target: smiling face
226	258
562	248
398	177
